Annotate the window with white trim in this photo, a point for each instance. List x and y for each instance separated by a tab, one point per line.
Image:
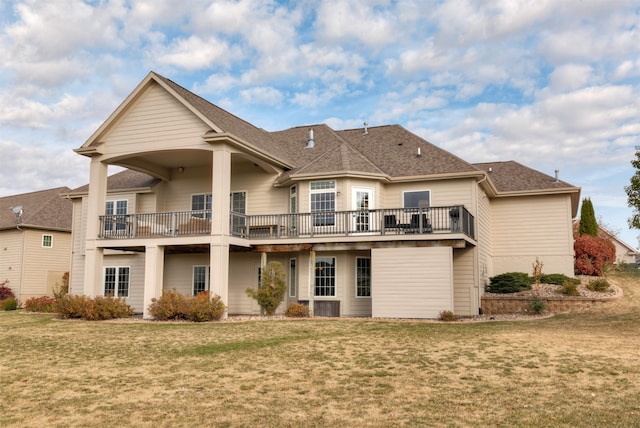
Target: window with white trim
201	202
323	202
325	284
116	281
117	212
201	278
47	241
363	277
293	277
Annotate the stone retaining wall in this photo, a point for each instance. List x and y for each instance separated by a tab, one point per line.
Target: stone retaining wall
520	304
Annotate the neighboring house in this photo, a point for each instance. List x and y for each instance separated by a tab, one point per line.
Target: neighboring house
35	241
625	253
373	222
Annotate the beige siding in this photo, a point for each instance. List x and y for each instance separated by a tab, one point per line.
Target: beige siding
243	274
11	251
528	227
136	276
484	239
411	282
465	290
155	121
262	197
178	271
40	262
443	193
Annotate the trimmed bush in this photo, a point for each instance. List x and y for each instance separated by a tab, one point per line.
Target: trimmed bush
9	304
599	285
510	282
175	306
100	308
297	310
448	316
558	279
40	304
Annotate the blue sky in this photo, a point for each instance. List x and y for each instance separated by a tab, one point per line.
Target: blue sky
550	84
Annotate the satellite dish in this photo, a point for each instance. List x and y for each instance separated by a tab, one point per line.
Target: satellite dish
17	210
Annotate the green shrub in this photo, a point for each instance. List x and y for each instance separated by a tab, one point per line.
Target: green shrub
510	282
175	306
9	304
40	304
600	285
558	279
297	310
569	288
100	308
448	316
272	288
537	305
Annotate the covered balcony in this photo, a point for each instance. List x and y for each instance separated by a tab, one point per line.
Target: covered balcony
397	221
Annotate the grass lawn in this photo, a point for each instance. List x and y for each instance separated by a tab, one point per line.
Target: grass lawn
568	370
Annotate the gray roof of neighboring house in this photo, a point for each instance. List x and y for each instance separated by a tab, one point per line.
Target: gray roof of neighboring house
43	209
511	176
127	179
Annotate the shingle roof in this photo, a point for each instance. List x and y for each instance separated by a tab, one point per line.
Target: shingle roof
511	176
127	179
42	209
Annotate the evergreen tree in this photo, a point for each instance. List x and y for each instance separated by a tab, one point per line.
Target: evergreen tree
633	192
588	223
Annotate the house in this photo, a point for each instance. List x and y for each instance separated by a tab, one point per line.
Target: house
35	242
372	222
625	253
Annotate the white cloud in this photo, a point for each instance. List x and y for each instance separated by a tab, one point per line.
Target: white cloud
195	53
262	95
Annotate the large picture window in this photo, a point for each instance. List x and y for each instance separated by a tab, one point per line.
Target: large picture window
323	202
116	281
200	279
417	199
325	277
363	277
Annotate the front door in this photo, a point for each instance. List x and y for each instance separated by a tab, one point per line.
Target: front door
362	203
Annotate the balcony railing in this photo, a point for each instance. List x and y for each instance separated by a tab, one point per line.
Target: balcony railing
397	221
176	223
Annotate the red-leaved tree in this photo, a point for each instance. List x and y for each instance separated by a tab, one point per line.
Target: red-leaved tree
593	255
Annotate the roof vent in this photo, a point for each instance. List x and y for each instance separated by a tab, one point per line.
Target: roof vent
311	143
419	154
557	180
366	128
490	170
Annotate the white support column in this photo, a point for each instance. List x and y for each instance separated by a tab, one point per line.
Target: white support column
219	254
312	279
153	276
95	207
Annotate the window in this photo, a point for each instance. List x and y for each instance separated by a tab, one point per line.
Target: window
417	199
293	199
323	200
293	278
201	276
325	277
117	210
238	204
363	277
116	281
201	202
47	241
